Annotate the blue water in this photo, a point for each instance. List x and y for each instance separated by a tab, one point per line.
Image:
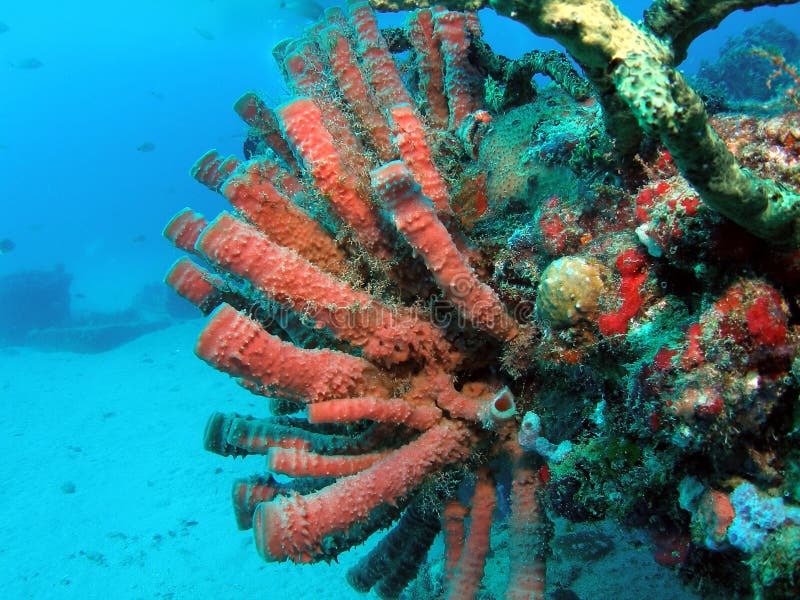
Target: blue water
97	135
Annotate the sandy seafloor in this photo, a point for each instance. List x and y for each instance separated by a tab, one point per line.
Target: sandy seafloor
106	491
150	514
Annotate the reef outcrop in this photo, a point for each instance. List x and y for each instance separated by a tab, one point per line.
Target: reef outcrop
468	309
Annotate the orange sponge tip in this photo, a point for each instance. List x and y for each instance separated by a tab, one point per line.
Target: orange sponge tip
184	229
195	284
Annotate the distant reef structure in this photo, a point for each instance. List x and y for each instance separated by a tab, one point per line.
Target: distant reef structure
743	71
37	312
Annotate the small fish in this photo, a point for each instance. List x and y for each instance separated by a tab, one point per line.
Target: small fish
146	147
156	95
3	27
139	238
6	246
28	63
303	8
204	33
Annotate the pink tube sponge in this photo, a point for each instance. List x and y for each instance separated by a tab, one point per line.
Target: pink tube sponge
415	218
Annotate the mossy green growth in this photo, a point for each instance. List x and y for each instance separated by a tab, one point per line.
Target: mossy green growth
792	474
775	567
608	453
666	328
615	475
791	486
494	94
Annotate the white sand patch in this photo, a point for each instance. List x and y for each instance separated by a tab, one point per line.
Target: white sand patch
106	491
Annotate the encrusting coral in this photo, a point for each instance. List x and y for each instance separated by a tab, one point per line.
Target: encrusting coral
433	269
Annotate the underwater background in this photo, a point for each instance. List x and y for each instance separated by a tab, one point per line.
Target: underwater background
104	485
